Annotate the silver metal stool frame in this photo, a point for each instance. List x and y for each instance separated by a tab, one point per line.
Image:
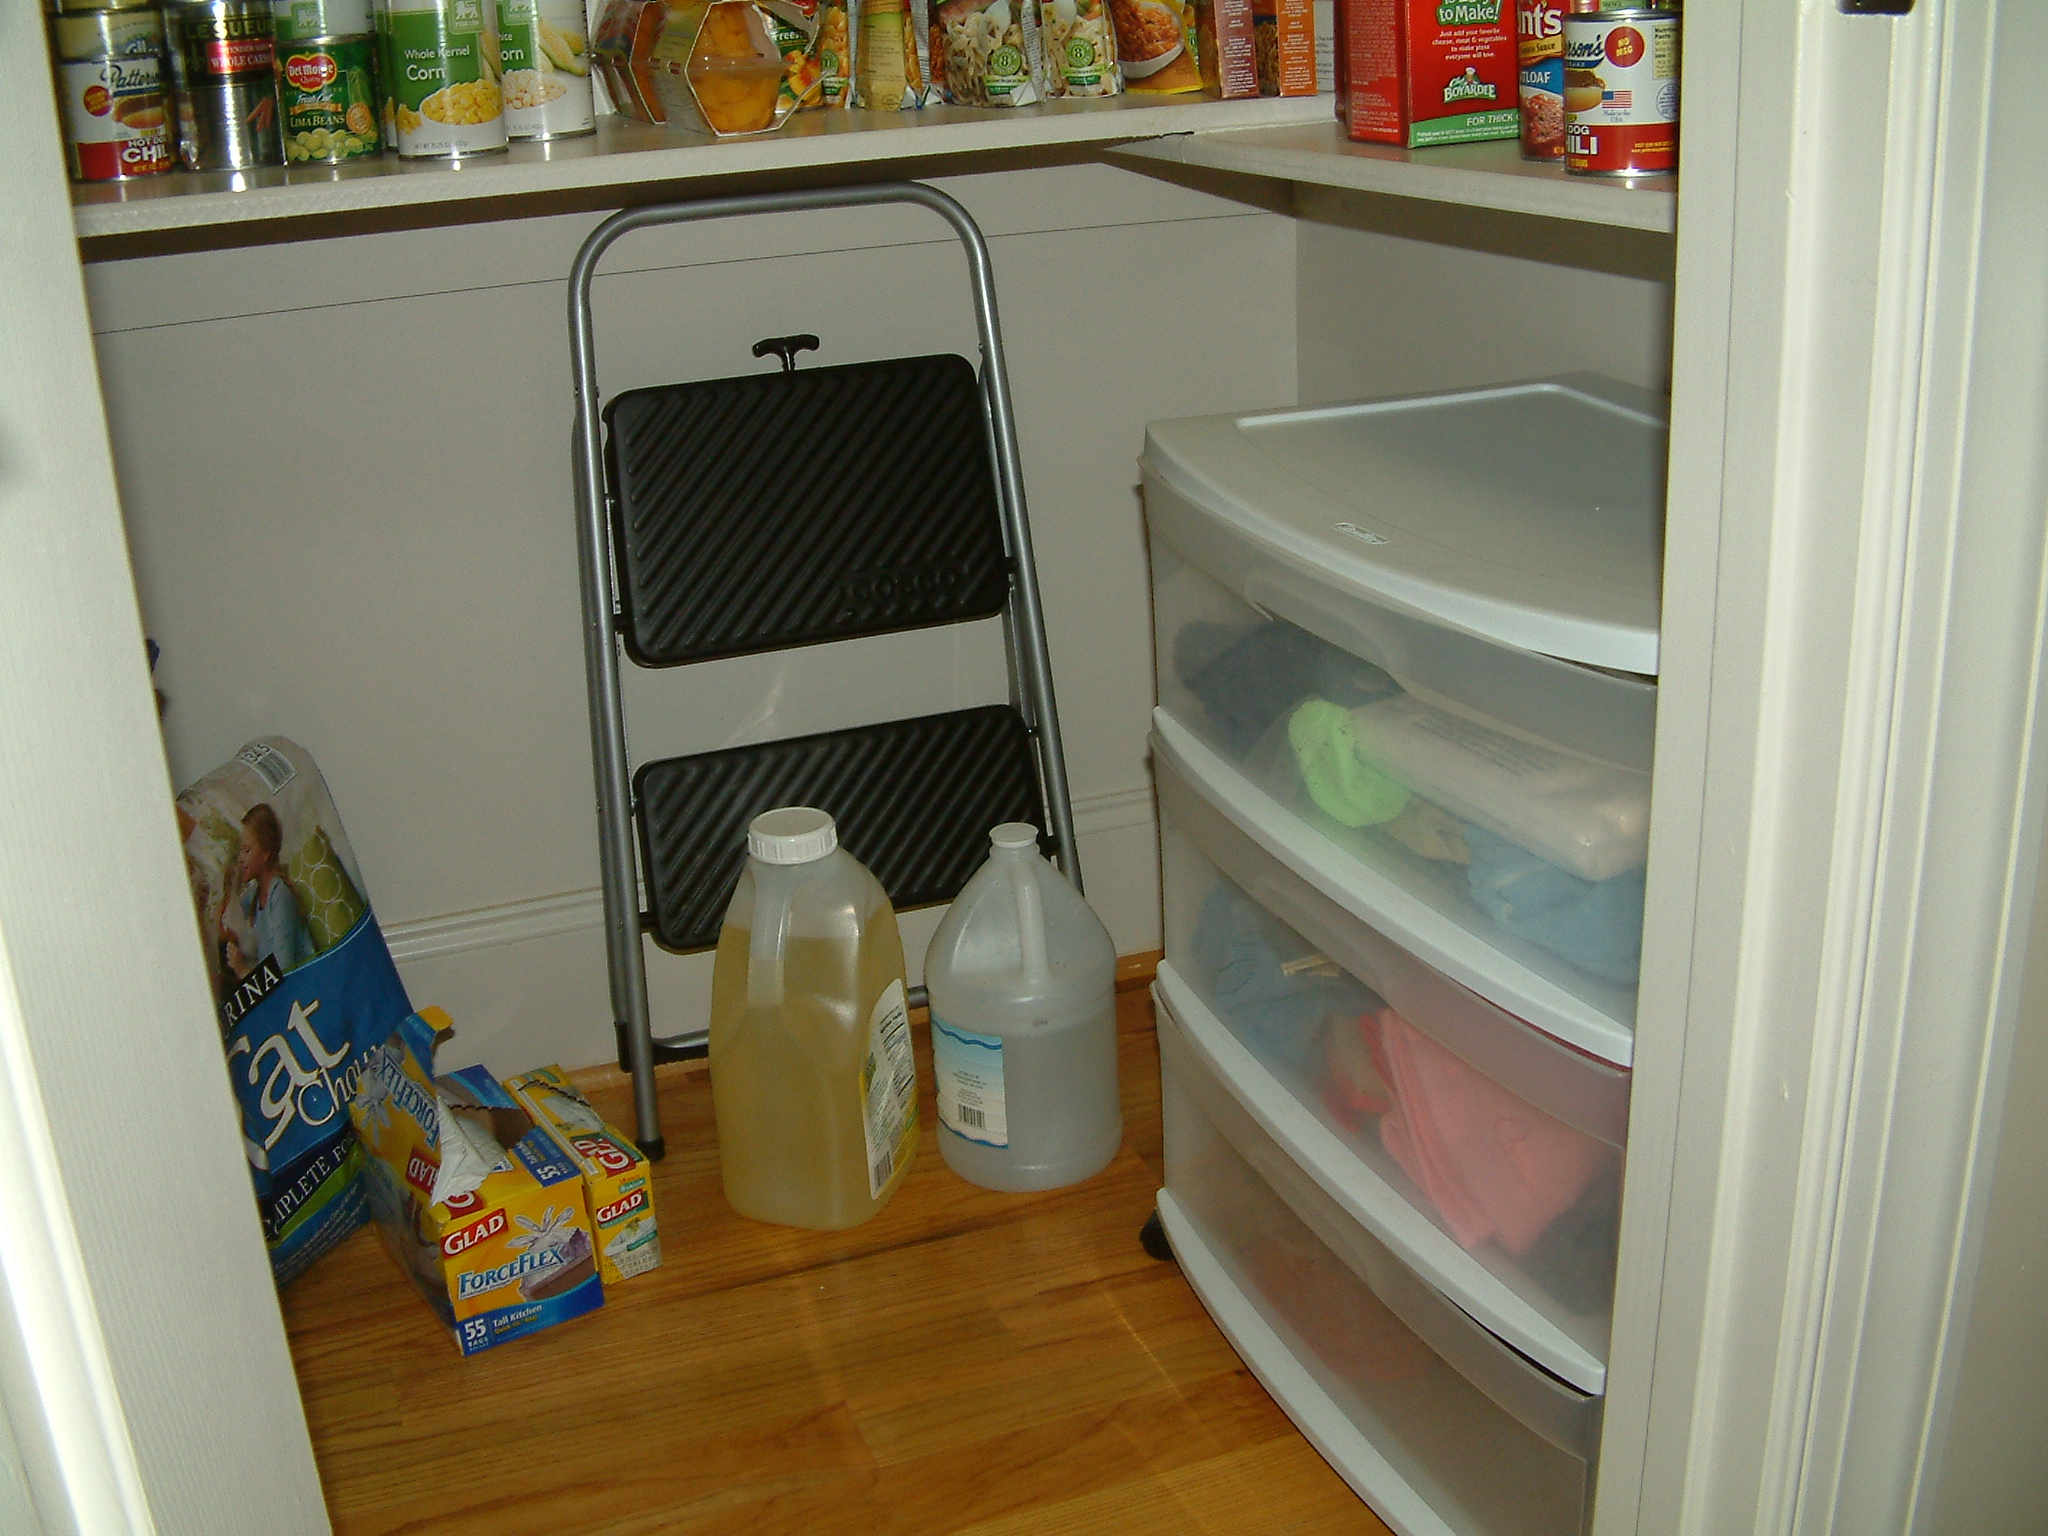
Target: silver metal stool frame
1023	617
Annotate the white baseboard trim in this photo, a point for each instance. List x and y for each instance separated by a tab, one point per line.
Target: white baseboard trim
541	917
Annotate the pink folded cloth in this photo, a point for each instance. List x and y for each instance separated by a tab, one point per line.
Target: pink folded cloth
1493	1166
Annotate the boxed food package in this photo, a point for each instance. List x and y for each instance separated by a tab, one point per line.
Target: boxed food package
1420	72
889	67
484	1209
1156	45
616	1179
1080	48
1224	48
1284	33
721	67
301	979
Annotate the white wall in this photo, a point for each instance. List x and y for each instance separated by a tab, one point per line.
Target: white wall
1399	295
344	468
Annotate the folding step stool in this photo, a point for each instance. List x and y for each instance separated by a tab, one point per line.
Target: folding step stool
778	509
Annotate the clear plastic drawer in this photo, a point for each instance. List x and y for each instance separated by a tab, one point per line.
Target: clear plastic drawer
1429	1416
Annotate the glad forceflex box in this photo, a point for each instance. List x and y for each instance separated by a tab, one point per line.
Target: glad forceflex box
480	1206
616	1176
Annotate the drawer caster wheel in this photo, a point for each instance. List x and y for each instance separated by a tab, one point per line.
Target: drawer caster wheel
1152	1238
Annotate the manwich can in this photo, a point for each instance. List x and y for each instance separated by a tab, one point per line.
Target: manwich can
441	69
1621	92
327	101
223	61
545	46
1539	48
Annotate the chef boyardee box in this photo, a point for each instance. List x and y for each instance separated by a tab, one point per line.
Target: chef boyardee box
478	1204
615	1175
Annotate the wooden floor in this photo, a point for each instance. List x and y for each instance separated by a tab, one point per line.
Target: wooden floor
965	1362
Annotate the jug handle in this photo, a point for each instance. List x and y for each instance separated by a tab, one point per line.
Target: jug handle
1030	919
767	938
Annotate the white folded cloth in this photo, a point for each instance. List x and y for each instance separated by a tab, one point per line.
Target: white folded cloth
1590	818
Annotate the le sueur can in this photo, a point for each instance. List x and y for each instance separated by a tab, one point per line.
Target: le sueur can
1621	92
117	116
223	58
1539	48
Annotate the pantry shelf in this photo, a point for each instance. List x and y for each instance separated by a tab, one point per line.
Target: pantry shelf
626	155
1490	175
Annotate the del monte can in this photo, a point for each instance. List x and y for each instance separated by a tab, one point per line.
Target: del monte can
325	93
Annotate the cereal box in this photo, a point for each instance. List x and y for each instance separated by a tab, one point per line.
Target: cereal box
1419	72
483	1208
616	1178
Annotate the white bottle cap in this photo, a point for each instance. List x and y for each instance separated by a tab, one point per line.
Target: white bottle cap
1015	834
795	834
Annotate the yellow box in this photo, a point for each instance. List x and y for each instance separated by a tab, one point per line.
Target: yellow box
505	1257
618	1180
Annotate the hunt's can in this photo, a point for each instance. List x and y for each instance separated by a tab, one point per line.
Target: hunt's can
116	116
1621	92
1539	45
441	70
222	59
103	34
306	21
545	46
327	100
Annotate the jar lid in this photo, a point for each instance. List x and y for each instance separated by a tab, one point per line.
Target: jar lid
1015	834
85	7
794	834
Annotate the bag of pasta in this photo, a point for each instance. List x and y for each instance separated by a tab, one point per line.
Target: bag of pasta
1080	48
889	66
990	52
303	983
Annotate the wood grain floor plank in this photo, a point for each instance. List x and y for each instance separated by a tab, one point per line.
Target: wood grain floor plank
965	1362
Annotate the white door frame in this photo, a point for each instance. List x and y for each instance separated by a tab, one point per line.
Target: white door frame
142	1353
1848	818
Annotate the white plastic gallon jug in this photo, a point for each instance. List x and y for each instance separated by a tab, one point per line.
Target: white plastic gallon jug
1022	977
812	1076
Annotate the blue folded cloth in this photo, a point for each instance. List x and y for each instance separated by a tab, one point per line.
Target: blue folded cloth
1595	924
1266	982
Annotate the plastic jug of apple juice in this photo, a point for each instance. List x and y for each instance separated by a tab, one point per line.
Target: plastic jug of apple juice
1022	977
812	1077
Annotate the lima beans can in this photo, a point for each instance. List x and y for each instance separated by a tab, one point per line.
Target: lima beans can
222	59
327	100
117	117
441	69
545	46
1621	93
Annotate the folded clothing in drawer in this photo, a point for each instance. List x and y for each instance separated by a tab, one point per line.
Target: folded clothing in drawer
1429	1416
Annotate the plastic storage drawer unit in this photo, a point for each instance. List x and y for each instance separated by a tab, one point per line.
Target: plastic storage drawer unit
1428	627
1482	1151
1443	1428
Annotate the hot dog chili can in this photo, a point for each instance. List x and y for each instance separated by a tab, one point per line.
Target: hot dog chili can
1539	47
223	58
1621	92
117	116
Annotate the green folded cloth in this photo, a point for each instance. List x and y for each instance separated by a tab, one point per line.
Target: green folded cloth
1347	787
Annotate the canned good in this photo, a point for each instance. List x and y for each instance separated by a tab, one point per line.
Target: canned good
1539	41
307	21
1621	92
223	61
326	100
441	70
100	34
116	117
545	49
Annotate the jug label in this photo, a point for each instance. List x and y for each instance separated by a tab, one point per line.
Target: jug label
970	1073
888	1085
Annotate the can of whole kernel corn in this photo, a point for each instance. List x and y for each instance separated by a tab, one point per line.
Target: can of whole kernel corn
1621	92
545	47
222	60
327	100
441	71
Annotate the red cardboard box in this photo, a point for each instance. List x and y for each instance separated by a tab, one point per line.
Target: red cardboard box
1419	72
